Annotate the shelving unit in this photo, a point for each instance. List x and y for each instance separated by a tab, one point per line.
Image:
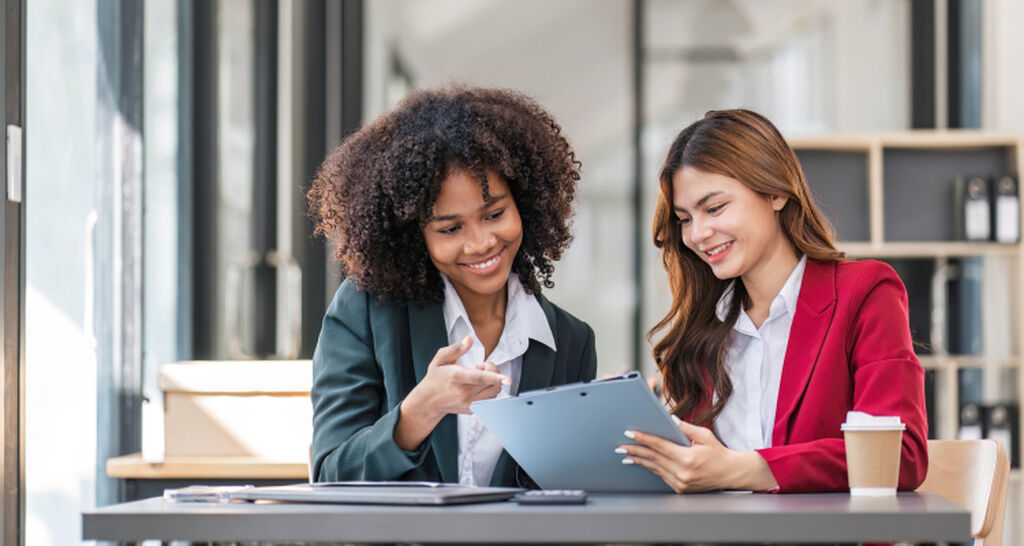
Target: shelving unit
890	196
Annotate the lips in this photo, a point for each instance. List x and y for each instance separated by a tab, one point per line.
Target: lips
487	265
718	249
717	253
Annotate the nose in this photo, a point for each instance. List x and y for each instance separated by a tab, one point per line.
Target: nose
700	230
480	241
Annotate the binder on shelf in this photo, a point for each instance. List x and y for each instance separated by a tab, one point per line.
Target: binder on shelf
964	335
916	275
929	403
969	391
1001	423
972	424
973	212
969	386
1005	210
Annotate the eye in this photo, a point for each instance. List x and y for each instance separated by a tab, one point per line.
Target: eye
683	221
450	230
715	209
495	215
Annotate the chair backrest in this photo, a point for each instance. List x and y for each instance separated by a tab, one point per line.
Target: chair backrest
974	474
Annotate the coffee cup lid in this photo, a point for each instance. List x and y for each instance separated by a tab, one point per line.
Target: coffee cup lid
858	420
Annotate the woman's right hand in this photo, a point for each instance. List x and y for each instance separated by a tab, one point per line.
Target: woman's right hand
446	388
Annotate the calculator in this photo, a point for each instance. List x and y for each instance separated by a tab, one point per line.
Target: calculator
552	496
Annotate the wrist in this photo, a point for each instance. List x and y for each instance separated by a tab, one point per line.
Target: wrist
418	406
753	473
414	423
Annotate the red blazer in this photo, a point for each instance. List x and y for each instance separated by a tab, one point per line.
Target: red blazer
849	349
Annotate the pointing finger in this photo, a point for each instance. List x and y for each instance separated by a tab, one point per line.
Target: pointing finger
452	353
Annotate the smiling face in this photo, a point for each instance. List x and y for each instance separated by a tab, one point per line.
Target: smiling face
473	241
734	229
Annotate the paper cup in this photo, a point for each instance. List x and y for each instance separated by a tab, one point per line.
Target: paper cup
873	458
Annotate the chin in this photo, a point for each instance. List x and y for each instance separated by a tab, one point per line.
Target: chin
725	272
484	286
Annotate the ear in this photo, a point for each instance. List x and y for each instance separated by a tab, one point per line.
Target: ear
779	202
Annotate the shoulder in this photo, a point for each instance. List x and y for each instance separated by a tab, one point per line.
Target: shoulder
350	300
865	273
860	279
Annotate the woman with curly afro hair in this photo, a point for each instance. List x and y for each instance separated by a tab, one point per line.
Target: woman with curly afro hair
447	214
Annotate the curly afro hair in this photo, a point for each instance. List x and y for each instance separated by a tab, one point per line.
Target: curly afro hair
373	194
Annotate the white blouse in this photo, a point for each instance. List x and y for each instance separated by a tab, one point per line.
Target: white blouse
524	320
753	360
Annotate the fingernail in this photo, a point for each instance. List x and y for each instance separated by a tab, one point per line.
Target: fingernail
620	450
676	419
506	381
466	341
627	460
630	434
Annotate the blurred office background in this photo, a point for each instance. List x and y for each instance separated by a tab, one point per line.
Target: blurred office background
168	144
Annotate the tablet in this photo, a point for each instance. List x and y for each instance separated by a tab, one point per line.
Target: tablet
417	493
565	437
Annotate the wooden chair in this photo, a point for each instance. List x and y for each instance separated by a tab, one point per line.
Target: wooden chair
975	475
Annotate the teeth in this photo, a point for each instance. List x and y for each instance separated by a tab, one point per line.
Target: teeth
718	249
486	264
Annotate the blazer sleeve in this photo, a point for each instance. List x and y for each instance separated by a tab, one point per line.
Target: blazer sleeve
588	360
887	379
353	431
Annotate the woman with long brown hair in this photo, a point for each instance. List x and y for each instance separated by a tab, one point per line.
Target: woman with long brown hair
772	336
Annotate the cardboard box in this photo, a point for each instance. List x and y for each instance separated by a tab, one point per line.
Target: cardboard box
238	408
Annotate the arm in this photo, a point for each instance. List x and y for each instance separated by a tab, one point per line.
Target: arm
704	465
354	436
588	361
352	430
885	378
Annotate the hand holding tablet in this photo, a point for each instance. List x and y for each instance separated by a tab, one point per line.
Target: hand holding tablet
565	437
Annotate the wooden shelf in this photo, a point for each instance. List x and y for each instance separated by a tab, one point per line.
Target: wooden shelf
928	249
924	139
132	466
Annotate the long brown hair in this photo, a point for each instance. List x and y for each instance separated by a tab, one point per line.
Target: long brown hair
745	146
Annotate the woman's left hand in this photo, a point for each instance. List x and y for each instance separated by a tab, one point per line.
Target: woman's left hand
704	465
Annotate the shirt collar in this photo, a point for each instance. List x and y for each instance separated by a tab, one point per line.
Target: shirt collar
791	290
788	295
522	315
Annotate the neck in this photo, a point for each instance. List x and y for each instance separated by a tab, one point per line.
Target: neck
765	281
483	308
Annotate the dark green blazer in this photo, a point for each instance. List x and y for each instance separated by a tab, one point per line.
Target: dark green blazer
371	354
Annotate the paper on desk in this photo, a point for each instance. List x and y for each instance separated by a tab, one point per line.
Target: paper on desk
203	493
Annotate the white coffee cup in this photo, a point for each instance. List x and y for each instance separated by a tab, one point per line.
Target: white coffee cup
873	447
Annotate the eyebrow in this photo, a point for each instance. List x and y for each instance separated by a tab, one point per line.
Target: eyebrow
449	217
700	203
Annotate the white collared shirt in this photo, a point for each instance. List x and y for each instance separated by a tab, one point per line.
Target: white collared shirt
753	360
524	320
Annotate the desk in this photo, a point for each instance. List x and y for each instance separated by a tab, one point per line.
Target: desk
140	479
714	517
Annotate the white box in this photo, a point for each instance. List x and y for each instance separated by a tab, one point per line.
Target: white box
238	408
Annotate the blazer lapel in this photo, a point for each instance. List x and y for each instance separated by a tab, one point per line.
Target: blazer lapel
427	335
539	360
814	312
504	471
